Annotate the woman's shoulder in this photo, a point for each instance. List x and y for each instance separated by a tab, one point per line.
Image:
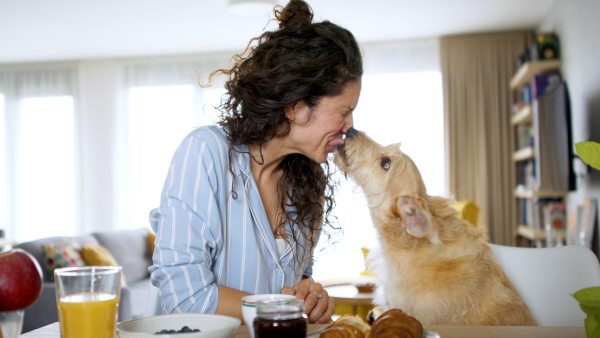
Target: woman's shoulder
212	136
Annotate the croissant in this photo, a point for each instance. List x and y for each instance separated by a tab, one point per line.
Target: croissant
342	331
348	326
396	323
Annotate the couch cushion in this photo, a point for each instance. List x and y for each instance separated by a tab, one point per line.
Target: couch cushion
97	255
61	254
151	240
35	248
130	249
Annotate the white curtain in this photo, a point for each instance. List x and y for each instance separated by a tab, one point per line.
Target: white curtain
38	117
163	102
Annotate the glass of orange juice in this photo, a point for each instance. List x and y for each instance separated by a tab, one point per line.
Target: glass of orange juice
88	300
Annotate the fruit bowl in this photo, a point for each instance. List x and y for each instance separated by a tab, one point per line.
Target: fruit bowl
210	325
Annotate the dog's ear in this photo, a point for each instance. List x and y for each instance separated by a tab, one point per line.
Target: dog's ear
415	216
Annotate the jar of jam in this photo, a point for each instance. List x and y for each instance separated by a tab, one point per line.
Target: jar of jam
280	318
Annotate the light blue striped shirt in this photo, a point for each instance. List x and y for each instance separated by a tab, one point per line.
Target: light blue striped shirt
206	237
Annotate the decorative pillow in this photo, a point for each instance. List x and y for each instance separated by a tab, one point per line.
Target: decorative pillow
97	255
61	254
151	239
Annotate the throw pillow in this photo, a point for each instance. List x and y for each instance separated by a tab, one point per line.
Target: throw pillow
61	254
151	239
97	255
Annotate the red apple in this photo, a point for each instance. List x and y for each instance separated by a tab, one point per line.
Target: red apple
20	280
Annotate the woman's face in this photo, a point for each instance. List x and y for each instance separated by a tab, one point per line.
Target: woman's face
317	132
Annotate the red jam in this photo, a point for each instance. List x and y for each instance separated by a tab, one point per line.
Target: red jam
280	318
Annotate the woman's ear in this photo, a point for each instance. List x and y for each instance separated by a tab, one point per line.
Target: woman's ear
296	111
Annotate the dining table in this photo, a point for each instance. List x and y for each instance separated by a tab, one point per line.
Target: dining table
444	331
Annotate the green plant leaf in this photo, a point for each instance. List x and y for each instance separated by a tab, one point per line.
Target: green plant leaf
589	152
589	302
592	329
589	297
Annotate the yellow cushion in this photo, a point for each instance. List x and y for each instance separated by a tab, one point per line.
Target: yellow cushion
151	239
468	211
98	255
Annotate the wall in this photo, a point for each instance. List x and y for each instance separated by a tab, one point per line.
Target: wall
577	25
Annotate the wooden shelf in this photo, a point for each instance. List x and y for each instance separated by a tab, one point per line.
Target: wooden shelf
524	154
539	193
523	116
529	69
535	234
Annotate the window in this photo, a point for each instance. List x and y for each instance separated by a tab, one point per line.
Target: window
405	108
159	118
44	168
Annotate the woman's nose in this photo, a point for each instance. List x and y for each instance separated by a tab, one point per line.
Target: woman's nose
349	123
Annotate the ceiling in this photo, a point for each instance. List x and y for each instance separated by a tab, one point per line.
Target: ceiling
43	30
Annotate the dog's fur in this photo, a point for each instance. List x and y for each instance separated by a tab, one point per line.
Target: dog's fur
431	264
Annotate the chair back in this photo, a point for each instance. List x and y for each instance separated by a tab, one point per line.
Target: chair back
546	279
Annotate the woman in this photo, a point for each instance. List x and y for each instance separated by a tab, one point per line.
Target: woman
244	203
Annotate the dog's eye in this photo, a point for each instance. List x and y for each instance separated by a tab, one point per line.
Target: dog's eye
385	163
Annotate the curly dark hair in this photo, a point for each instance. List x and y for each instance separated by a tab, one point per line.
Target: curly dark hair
301	60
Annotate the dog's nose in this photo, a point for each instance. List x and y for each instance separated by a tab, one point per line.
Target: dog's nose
351	133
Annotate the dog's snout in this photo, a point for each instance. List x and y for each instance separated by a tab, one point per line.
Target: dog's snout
351	133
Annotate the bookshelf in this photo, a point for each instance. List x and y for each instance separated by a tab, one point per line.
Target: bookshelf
541	187
529	69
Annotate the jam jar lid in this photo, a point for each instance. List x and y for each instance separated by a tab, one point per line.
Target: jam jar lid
280	308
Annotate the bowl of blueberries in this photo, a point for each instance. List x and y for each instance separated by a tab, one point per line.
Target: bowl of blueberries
180	325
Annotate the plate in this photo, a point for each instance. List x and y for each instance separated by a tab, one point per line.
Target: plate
426	334
210	325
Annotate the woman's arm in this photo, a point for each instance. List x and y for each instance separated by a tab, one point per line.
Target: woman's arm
188	230
230	302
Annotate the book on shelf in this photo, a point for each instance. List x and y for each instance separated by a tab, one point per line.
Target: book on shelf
526	94
544	83
524	134
555	219
544	220
525	176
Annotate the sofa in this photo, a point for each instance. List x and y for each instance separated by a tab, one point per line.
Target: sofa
130	249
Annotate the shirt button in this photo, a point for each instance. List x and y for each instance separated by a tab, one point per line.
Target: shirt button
278	270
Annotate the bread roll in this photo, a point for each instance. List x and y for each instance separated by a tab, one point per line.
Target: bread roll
396	323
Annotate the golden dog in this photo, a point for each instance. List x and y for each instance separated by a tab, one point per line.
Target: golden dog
430	264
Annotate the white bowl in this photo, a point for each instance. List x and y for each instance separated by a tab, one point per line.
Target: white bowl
210	325
249	307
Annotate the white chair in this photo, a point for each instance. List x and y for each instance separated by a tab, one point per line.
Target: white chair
546	278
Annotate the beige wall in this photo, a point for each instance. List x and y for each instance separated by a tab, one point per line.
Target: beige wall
577	24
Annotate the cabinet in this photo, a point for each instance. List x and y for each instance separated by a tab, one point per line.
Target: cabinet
541	153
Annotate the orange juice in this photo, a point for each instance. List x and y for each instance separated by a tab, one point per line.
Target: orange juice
88	315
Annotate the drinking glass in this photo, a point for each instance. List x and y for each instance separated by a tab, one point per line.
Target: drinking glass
11	323
88	300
